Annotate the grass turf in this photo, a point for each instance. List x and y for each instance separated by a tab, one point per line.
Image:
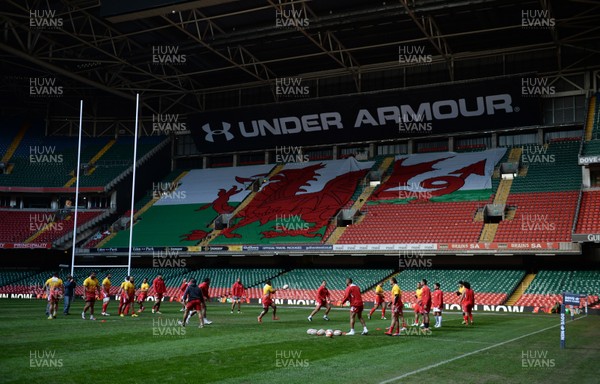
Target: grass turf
236	349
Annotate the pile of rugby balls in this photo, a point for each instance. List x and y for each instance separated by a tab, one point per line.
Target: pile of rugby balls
323	332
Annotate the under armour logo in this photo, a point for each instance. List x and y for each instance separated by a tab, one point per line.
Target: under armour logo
224	131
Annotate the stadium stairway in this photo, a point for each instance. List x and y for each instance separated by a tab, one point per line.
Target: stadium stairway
520	290
361	200
14	145
93	160
590	122
489	229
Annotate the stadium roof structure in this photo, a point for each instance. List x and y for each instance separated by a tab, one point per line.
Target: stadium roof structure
231	52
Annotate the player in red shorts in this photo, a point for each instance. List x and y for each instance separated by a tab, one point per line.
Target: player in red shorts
379	301
106	284
396	310
159	290
425	303
55	291
267	301
237	292
193	300
204	287
467	301
143	295
323	299
352	295
416	306
125	296
437	302
90	285
182	288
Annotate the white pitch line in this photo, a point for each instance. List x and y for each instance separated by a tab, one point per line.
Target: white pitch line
469	354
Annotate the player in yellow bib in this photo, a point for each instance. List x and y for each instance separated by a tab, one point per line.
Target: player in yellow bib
267	301
55	290
90	286
379	301
143	294
106	284
417	307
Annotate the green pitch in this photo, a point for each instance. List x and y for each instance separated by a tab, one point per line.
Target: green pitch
500	348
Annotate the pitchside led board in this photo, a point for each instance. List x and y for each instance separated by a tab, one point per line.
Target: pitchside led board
462	107
568	299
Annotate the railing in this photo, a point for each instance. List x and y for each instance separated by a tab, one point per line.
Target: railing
140	161
577	210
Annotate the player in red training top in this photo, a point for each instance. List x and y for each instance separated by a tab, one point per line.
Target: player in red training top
204	286
237	292
323	299
352	295
437	302
425	303
467	301
159	290
182	288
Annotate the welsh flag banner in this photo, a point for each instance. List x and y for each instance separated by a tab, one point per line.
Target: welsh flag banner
440	176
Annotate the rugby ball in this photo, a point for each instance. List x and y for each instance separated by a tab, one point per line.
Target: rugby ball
285	286
337	332
320	332
311	331
329	333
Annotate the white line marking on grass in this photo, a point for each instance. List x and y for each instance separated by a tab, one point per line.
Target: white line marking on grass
427	368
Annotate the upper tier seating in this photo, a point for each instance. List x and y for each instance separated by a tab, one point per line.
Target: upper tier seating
550	169
50	161
416	223
17	226
589	213
539	217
